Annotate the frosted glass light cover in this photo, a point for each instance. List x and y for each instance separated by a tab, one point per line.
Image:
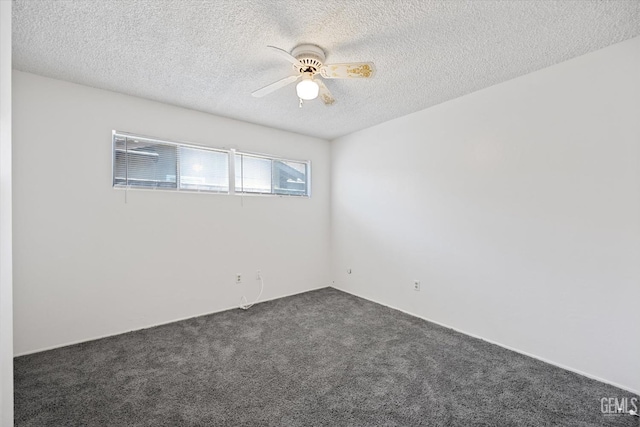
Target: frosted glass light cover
307	89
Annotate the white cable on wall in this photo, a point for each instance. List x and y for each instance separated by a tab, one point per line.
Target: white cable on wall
243	300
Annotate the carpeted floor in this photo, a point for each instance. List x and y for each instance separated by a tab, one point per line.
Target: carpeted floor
320	358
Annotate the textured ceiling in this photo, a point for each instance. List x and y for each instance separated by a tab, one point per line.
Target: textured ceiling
210	55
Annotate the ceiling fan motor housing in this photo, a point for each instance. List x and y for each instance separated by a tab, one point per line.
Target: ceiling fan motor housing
310	56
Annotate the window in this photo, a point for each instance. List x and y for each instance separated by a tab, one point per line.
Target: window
148	163
142	162
265	175
203	170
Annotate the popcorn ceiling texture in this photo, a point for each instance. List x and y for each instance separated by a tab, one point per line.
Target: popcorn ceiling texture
210	55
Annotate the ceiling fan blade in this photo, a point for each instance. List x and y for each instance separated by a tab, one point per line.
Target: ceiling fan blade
325	95
348	71
286	55
275	86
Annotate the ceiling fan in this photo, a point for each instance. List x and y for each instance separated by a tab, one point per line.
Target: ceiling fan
308	62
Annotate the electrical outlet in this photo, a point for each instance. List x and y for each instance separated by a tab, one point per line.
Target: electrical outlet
239	278
258	275
416	285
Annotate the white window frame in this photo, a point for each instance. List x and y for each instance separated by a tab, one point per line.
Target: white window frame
231	156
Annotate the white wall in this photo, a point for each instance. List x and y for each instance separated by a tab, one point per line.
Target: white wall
87	265
518	207
6	307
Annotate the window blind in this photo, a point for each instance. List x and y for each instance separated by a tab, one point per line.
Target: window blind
253	174
264	175
203	170
144	163
147	163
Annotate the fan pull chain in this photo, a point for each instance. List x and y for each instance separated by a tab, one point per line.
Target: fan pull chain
300	102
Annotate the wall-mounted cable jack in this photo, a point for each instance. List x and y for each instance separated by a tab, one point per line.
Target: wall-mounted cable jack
243	300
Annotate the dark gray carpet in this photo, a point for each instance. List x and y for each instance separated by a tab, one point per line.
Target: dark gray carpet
320	358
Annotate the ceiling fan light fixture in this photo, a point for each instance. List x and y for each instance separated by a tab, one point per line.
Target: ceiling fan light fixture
307	89
308	62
